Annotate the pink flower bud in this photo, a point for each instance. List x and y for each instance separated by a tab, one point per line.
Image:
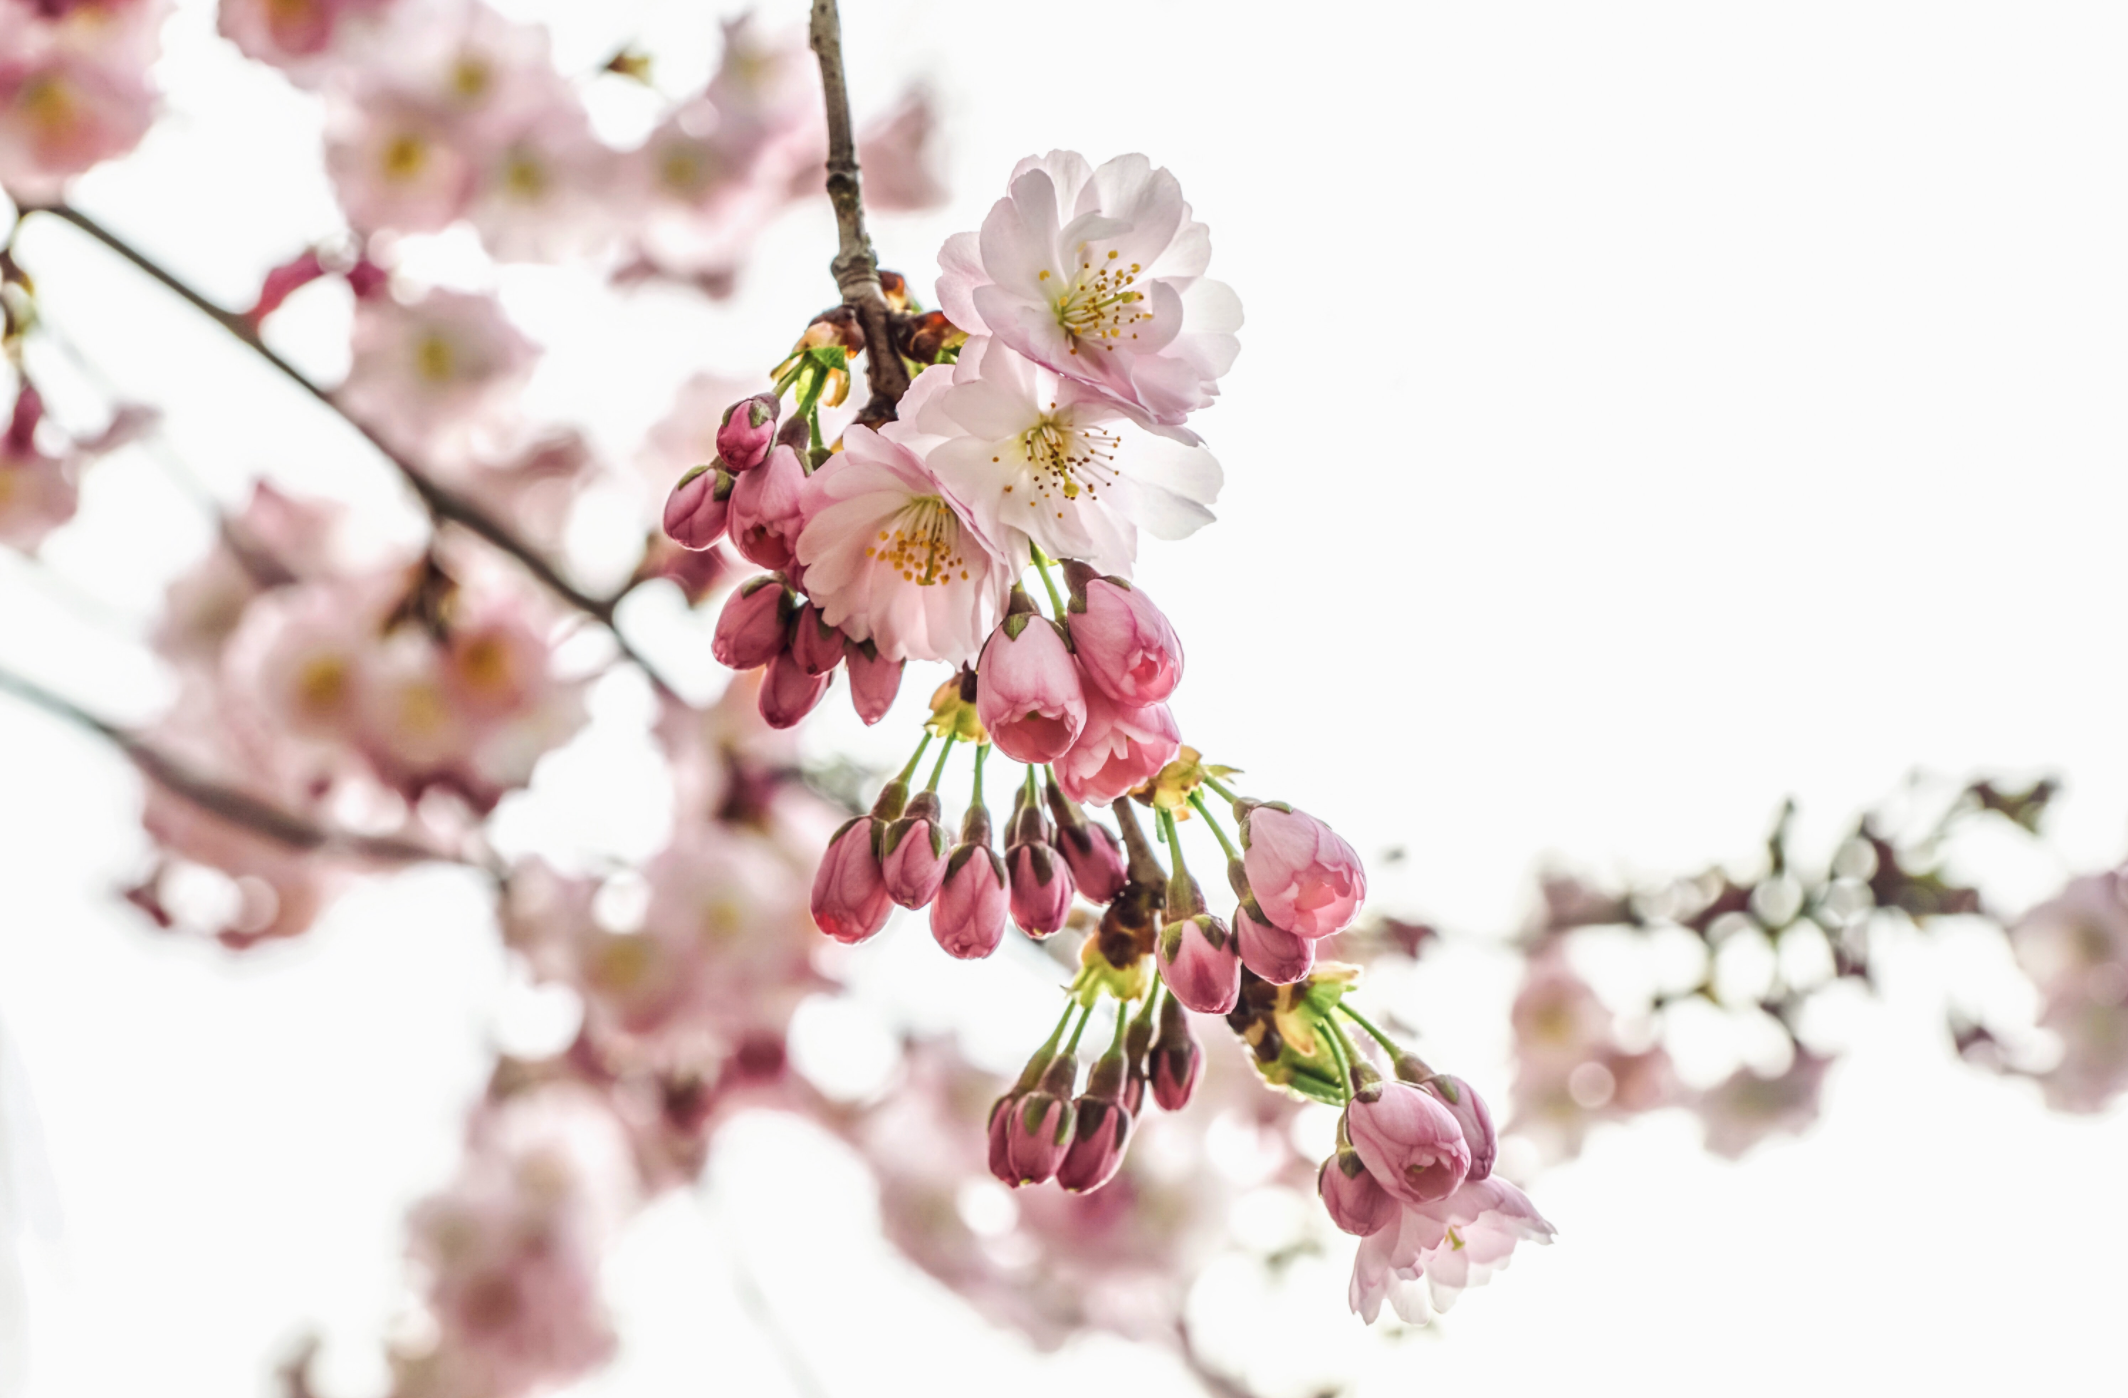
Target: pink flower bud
748	428
815	645
1411	1143
1042	889
1100	1135
697	509
1306	879
751	628
850	900
1357	1203
1175	1058
1094	853
1039	1128
1001	1137
1125	646
874	681
1473	1116
1279	957
767	513
913	855
788	693
968	916
1119	749
1028	695
1201	964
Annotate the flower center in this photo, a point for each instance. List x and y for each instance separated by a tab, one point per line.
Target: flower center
1066	461
406	155
922	543
1098	303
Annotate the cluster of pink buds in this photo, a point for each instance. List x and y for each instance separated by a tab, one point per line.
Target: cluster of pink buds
1045	426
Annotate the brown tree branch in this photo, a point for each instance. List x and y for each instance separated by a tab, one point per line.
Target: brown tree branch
856	267
225	802
443	504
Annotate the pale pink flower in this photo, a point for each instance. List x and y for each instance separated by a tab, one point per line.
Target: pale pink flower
1055	459
1099	275
1119	749
1410	1141
395	163
891	556
543	191
1433	1252
1029	697
62	110
898	153
1306	878
2075	948
1570	1071
435	371
298	36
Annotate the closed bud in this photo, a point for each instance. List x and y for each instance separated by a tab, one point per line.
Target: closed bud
1278	956
1039	1128
874	680
699	507
1042	889
1100	1135
748	429
1175	1058
1357	1203
1306	879
751	628
850	900
788	693
767	512
1125	645
1028	693
1001	1137
815	645
1098	865
1201	964
913	853
1476	1119
1410	1141
968	915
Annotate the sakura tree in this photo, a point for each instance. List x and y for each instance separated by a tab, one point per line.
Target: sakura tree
936	488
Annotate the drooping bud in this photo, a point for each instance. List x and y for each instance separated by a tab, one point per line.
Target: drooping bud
1039	1129
968	915
913	853
1042	886
1276	955
1410	1141
749	427
815	645
1137	1048
698	508
1100	1136
1126	647
1473	1116
1001	1137
874	680
1357	1203
788	693
1029	696
1093	851
1306	879
751	628
850	900
1119	749
1175	1058
1198	957
767	510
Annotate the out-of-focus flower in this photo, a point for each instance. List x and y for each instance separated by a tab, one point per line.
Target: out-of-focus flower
1744	1108
438	371
1570	1070
1099	275
74	88
2075	948
300	37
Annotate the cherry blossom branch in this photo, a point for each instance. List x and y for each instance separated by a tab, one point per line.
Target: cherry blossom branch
443	504
856	266
227	803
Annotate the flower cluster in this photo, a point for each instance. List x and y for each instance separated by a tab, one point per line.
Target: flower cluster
74	86
1046	425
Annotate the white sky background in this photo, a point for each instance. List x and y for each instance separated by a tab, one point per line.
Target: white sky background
1646	411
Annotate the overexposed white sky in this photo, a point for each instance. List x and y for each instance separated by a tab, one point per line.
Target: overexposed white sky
1646	411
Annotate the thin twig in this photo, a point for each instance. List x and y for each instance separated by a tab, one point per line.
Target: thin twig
224	802
443	504
856	267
